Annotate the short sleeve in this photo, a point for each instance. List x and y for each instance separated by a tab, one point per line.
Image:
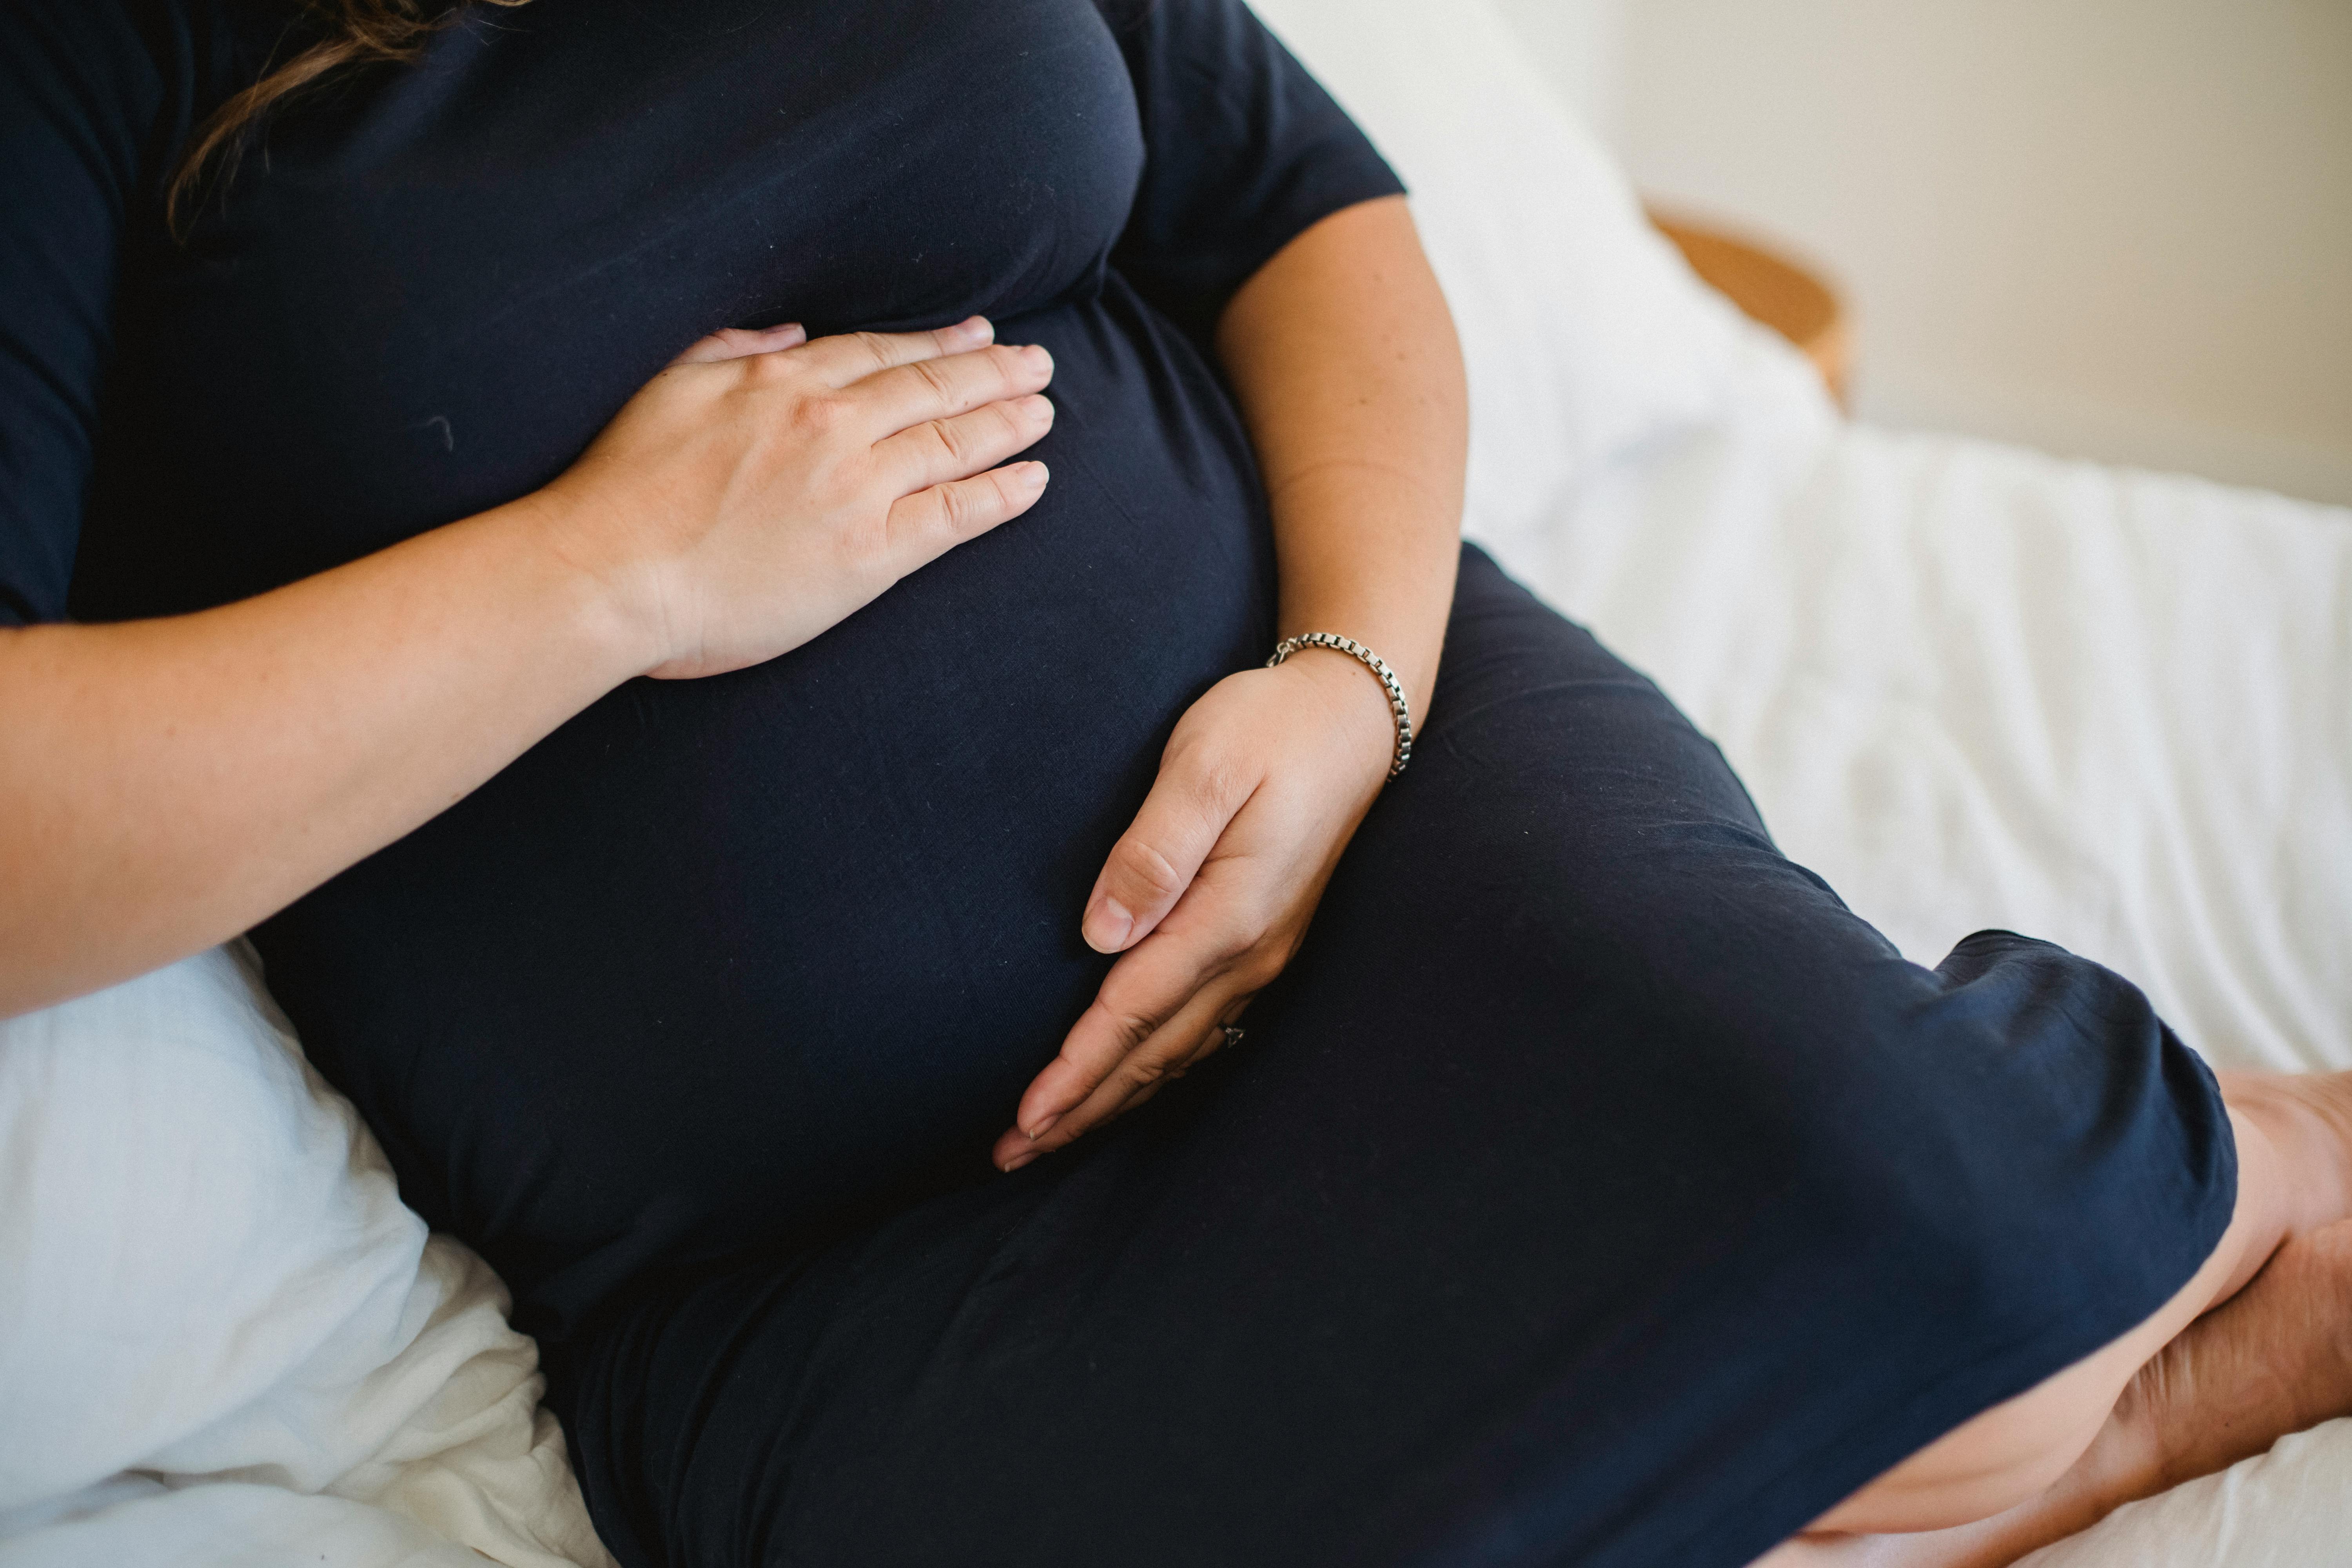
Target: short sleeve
80	99
1243	152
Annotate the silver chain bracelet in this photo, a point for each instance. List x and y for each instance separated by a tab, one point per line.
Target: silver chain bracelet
1378	666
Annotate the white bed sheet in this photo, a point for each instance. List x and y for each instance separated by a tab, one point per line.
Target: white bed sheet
1973	685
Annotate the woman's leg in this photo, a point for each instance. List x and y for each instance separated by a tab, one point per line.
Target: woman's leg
2258	1345
1594	1188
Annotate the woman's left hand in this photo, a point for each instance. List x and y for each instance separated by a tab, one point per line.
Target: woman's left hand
1208	894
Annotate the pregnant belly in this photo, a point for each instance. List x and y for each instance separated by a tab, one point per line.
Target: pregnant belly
721	959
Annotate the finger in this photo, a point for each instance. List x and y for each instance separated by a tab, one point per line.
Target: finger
1014	1148
930	523
940	450
908	394
1168	1052
853	357
737	343
1196	795
1142	994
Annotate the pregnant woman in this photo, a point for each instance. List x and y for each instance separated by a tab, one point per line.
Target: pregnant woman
703	574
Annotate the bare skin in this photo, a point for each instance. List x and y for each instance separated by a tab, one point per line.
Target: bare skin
2266	1350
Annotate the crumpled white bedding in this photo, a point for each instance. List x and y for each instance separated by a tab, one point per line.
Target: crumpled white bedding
1970	684
1973	685
223	1338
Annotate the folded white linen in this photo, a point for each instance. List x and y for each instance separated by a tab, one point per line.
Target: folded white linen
210	1278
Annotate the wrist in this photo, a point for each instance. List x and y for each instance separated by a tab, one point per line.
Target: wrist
1356	701
607	598
1407	635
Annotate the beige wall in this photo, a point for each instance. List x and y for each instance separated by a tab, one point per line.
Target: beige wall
2116	228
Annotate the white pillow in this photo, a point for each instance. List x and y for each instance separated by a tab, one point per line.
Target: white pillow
1584	331
206	1275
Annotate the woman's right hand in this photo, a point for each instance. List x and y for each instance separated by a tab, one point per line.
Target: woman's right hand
165	784
763	488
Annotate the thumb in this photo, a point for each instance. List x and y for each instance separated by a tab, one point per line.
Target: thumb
1159	855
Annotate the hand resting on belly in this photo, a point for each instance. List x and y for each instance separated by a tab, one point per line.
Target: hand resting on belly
166	784
1344	364
1208	895
763	488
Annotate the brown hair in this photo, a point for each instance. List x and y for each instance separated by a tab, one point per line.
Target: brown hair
349	32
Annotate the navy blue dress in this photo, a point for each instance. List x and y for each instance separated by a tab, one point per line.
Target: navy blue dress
1594	1188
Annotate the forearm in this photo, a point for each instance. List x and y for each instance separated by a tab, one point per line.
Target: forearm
168	782
1345	362
165	784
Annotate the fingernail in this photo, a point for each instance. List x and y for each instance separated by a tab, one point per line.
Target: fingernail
1044	1124
1033	475
1038	404
976	328
1106	932
1037	358
1018	1161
